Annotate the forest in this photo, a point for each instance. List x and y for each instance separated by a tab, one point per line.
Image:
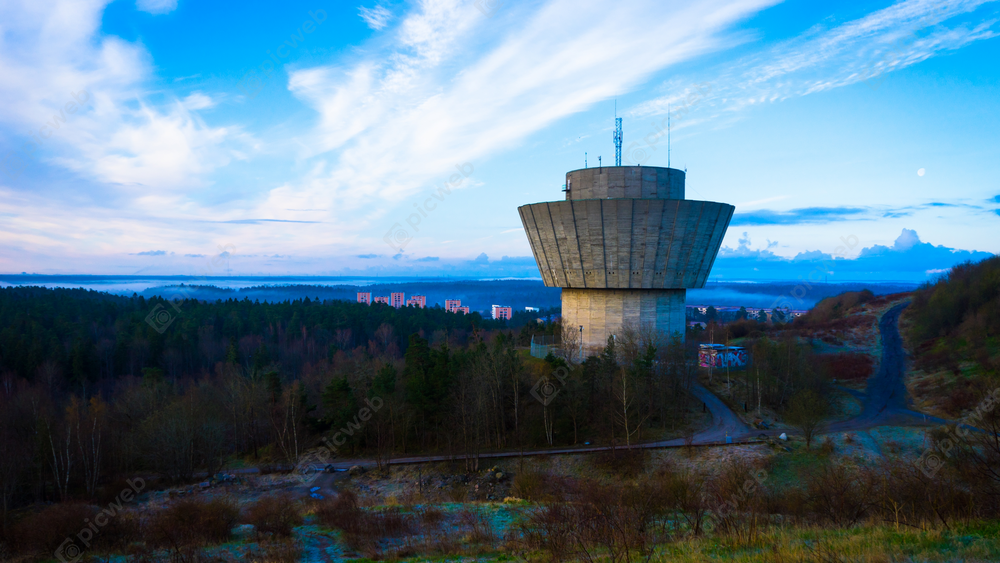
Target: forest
95	387
955	320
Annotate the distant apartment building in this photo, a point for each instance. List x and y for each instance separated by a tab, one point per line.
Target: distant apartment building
464	310
417	300
501	312
381	299
452	305
397	299
365	298
531	309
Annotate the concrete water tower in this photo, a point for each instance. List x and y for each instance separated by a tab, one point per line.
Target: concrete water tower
624	247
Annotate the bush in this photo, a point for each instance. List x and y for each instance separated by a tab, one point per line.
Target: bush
551	529
480	527
275	515
622	462
275	552
847	367
537	486
193	522
340	511
364	530
431	516
46	530
841	494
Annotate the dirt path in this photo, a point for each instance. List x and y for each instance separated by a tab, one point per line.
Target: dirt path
886	401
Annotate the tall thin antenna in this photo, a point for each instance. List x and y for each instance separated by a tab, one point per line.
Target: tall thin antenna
618	137
584	159
668	135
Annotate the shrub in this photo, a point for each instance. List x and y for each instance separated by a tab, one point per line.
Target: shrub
480	527
431	516
541	487
340	511
841	494
275	515
623	462
364	530
847	367
46	530
827	447
275	552
551	529
193	522
737	500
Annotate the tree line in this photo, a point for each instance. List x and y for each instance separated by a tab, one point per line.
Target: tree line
92	392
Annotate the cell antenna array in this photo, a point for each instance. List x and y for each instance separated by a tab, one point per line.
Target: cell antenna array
618	141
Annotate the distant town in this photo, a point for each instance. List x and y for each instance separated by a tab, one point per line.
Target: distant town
699	315
397	300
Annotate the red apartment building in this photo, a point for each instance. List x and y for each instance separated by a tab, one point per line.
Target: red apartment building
452	305
462	310
365	298
397	300
502	312
417	300
381	299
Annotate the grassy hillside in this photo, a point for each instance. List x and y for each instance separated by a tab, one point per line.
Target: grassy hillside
953	327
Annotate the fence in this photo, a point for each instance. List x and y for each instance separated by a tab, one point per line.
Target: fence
542	345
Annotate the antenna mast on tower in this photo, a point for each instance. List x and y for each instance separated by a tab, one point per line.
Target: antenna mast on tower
668	135
618	137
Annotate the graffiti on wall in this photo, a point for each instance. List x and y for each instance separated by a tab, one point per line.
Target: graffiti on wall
721	357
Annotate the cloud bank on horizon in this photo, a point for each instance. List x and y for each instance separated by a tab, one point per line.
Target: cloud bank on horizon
120	155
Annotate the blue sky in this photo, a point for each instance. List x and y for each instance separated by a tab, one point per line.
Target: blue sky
400	137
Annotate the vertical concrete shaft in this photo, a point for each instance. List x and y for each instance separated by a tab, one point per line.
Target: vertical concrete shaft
603	312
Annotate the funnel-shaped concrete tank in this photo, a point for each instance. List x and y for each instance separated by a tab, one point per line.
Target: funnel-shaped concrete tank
625	245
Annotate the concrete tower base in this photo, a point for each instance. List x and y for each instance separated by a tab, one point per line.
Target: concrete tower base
602	312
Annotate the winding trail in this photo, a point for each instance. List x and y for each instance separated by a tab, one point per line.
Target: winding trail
886	402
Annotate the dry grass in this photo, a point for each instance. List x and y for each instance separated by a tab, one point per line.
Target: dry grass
869	544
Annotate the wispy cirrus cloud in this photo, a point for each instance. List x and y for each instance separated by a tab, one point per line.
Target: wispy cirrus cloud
156	6
259	221
453	87
376	18
824	58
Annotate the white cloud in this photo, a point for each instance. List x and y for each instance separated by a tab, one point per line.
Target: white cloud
198	101
457	87
156	6
376	18
823	58
77	99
